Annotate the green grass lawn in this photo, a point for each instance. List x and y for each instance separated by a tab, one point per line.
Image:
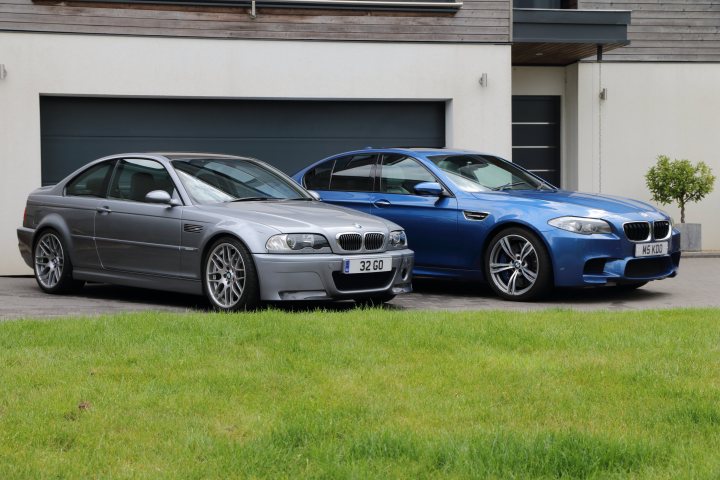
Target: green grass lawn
363	394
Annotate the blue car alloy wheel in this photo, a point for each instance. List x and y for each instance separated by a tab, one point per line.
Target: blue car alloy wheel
475	216
518	265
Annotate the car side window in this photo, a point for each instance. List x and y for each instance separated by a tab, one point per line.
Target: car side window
353	173
319	177
135	178
400	174
92	182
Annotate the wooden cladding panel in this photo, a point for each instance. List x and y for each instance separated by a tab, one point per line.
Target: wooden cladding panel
478	21
667	30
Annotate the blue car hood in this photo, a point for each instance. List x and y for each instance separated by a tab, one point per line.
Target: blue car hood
573	203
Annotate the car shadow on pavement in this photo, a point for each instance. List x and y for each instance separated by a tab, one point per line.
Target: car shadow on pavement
159	298
178	301
429	294
471	293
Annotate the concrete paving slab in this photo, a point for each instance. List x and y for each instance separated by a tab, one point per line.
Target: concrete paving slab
697	285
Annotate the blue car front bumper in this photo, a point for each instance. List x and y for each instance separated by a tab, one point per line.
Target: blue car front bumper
601	259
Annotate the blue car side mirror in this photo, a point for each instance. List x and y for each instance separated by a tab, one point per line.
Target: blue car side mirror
431	189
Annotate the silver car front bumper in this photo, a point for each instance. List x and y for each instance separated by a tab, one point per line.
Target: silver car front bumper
320	276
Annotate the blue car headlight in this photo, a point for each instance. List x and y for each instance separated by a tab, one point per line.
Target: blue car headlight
397	240
298	243
582	225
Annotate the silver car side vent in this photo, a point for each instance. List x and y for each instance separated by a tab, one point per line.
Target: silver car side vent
476	216
192	228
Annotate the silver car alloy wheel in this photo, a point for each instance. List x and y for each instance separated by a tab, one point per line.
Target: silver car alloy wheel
225	275
49	260
514	264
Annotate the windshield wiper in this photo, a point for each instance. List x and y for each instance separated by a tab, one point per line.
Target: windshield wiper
250	199
509	185
301	199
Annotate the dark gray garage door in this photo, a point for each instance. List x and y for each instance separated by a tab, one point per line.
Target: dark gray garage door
287	134
536	135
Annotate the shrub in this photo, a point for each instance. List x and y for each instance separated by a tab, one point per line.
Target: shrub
679	181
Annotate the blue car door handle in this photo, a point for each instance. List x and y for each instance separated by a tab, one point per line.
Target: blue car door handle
104	209
381	203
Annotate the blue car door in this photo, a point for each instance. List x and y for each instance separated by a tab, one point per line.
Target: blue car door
431	222
346	181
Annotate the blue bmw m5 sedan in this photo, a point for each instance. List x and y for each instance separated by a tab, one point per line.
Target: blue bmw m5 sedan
476	216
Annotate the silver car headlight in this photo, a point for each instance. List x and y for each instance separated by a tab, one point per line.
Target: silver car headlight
397	240
584	226
298	243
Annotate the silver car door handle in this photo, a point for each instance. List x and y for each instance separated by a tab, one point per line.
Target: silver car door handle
104	209
382	203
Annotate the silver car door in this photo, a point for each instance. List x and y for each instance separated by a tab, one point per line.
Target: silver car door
135	236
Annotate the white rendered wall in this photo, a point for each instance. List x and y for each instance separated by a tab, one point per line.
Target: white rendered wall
37	64
651	109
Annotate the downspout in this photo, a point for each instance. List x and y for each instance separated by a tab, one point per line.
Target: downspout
603	97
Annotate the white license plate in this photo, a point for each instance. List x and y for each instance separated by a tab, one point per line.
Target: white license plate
367	265
651	249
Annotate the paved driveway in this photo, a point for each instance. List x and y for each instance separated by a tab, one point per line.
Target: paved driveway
697	285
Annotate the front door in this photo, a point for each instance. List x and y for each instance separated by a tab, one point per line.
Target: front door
536	135
132	235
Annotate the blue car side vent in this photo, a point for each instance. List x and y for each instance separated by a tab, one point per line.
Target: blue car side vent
475	216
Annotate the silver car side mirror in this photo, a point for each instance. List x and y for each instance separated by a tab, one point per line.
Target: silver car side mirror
161	196
315	195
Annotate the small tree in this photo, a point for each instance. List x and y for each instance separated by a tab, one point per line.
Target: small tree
679	181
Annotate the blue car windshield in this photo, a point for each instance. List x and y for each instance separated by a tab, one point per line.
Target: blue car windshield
484	173
216	180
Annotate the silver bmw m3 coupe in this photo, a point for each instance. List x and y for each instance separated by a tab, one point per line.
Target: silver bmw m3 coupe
234	229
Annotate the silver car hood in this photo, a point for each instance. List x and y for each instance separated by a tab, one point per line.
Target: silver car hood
290	216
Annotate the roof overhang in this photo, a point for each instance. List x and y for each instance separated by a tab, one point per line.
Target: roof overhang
562	37
449	6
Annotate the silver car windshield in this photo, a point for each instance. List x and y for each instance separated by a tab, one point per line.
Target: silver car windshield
484	173
216	180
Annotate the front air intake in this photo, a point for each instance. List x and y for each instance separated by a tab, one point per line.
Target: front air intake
362	281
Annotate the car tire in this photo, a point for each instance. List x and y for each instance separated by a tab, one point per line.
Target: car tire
51	264
229	277
374	300
518	266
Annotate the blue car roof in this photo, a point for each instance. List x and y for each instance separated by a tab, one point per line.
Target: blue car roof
423	151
